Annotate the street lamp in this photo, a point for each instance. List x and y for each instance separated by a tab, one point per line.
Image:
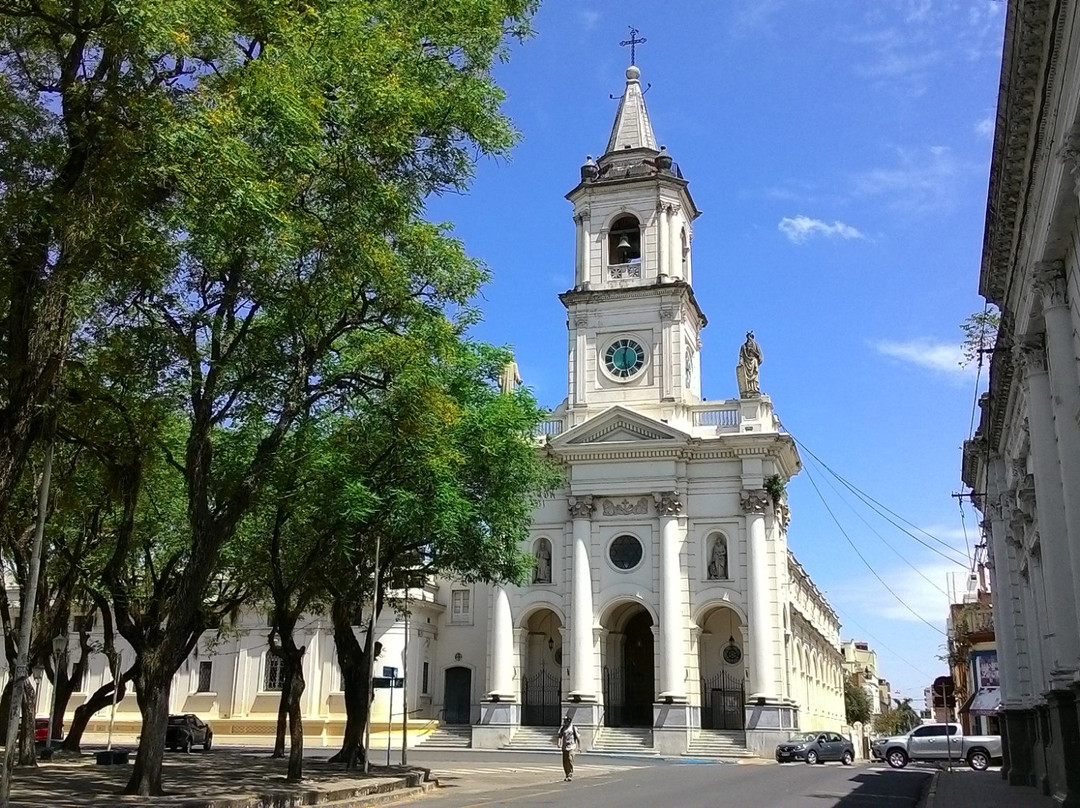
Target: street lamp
59	646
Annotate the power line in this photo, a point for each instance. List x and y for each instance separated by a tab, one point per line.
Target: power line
874	505
873	572
879	643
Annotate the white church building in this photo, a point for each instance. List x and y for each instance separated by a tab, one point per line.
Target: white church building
666	610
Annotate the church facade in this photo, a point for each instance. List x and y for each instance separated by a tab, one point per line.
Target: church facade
664	595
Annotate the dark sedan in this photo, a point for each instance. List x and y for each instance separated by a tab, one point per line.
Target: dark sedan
816	747
186	731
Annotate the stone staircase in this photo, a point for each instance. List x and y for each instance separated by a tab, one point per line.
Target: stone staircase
533	739
719	743
448	736
624	739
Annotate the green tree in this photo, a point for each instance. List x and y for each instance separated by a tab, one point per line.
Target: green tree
980	334
897	720
858	707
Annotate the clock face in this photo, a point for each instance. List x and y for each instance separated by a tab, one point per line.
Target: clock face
624	358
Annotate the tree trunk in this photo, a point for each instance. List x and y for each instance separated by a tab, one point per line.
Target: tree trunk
282	715
296	726
27	747
352	659
101	699
152	685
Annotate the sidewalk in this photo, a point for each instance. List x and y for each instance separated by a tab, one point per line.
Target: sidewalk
965	788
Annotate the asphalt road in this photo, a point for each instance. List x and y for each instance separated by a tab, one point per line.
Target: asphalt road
477	780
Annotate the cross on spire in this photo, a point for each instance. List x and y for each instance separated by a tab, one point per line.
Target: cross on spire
633	42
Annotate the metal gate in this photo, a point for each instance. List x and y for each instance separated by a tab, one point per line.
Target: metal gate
723	702
541	699
614	698
627	699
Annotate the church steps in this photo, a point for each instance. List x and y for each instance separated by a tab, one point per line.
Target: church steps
719	743
449	736
533	739
623	739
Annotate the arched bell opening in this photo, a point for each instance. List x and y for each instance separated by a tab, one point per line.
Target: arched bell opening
624	248
723	670
629	666
541	680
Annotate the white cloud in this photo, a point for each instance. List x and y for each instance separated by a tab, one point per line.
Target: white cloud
589	19
942	357
923	180
800	228
923	591
985	127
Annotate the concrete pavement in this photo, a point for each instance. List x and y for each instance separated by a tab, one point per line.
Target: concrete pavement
965	788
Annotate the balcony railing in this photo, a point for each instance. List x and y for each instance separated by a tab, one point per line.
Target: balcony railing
721	417
618	272
549	428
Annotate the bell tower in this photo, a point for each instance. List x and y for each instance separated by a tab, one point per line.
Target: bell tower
633	322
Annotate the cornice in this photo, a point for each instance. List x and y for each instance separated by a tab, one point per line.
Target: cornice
1019	118
675	288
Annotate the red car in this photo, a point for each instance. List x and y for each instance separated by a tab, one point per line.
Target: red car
41	730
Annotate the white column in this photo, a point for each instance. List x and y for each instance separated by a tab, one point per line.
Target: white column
663	247
674	244
582	674
1065	400
762	677
1050	507
672	624
586	249
579	251
1004	587
502	647
580	363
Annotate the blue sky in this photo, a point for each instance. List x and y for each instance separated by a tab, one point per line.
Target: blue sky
839	152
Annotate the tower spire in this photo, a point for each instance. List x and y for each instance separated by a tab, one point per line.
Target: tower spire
632	129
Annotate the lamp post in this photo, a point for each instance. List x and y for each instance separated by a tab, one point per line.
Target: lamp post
59	646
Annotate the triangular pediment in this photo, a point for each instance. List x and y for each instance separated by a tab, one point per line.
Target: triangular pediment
620	425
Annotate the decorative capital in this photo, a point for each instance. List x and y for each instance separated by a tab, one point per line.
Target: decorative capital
581	320
783	513
756	500
582	215
671	313
1070	151
1050	283
667	503
581	507
1031	356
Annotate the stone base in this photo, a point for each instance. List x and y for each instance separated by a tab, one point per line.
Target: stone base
1065	785
1017	735
498	720
671	728
769	722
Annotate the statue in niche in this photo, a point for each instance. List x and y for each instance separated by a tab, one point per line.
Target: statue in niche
509	377
746	372
543	563
717	569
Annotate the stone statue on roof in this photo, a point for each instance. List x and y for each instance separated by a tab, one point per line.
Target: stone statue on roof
509	377
746	372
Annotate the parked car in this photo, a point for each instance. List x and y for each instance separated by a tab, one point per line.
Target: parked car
41	730
938	742
816	747
186	731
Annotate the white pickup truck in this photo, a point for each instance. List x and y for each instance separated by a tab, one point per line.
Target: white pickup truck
938	742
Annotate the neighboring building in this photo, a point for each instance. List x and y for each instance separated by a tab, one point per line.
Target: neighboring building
665	604
1023	465
973	659
860	663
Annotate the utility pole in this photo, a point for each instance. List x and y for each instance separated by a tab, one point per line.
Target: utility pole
370	662
26	623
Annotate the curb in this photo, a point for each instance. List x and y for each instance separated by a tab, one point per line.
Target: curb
930	794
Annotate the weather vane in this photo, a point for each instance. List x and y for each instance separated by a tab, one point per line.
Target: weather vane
633	42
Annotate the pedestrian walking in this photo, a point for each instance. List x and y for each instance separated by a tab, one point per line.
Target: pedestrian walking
567	739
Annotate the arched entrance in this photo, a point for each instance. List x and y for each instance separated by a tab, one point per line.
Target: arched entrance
723	670
541	682
629	668
457	699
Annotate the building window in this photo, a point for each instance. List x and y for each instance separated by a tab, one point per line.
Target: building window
460	610
424	678
206	669
82	623
273	674
625	552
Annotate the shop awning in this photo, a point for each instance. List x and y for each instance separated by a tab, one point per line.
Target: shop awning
985	701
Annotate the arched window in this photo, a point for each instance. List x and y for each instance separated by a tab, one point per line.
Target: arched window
624	248
717	568
542	573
